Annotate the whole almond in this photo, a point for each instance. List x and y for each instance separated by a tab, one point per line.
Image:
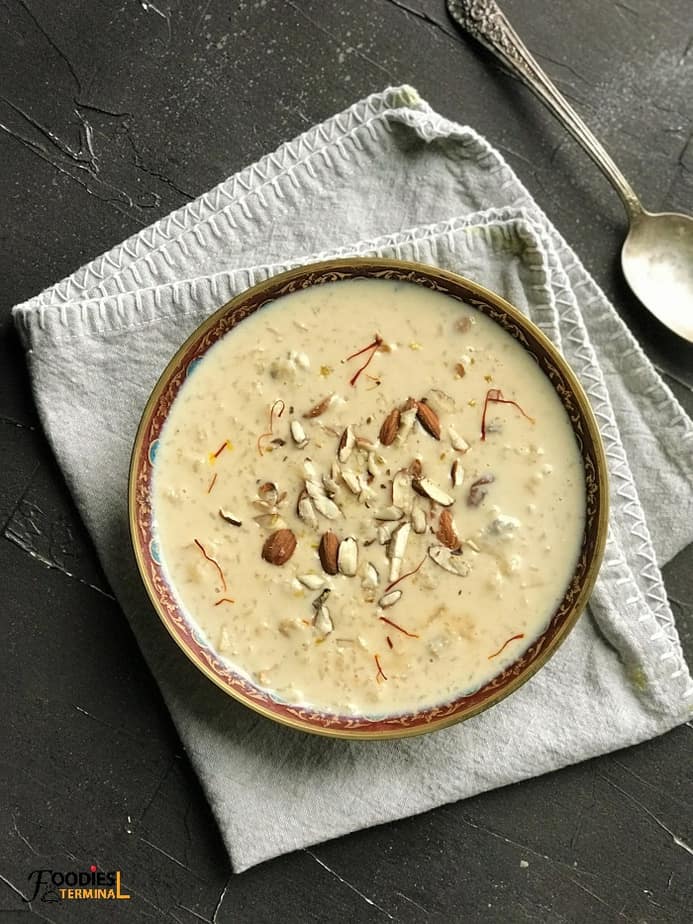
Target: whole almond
428	419
390	426
446	532
279	547
328	551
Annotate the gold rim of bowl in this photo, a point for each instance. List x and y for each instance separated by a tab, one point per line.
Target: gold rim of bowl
377	267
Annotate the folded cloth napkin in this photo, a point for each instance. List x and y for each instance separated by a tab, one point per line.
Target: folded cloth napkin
396	178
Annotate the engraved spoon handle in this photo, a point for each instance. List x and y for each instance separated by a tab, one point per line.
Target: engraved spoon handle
486	22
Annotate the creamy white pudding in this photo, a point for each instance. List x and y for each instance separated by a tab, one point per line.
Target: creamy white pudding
368	497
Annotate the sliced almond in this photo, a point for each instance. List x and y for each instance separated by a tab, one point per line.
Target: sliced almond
385	531
330	482
447	531
456	441
416	468
418	520
390	599
430	489
306	510
311	581
327	550
389	428
402	491
279	546
326	507
428	419
440	401
406	420
376	463
319	408
398	543
348	556
449	560
298	434
365	444
229	517
310	472
389	513
323	621
456	474
371	578
268	493
396	550
352	481
260	504
346	444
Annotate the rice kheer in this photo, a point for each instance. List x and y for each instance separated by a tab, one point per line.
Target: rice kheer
369	498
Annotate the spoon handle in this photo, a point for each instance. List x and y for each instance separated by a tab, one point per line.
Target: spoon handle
486	22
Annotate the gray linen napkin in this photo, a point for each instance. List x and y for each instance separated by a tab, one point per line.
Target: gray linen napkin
96	343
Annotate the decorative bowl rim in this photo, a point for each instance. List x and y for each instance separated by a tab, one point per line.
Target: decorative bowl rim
572	395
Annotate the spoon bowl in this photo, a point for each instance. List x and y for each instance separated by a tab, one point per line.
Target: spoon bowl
657	261
657	256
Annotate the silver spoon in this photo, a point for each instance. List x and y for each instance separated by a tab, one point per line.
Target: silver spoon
657	255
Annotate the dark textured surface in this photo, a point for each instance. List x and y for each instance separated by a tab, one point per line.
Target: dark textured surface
112	114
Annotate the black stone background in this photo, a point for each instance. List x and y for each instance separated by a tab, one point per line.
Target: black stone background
111	115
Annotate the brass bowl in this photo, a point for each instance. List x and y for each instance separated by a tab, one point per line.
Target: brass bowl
188	636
